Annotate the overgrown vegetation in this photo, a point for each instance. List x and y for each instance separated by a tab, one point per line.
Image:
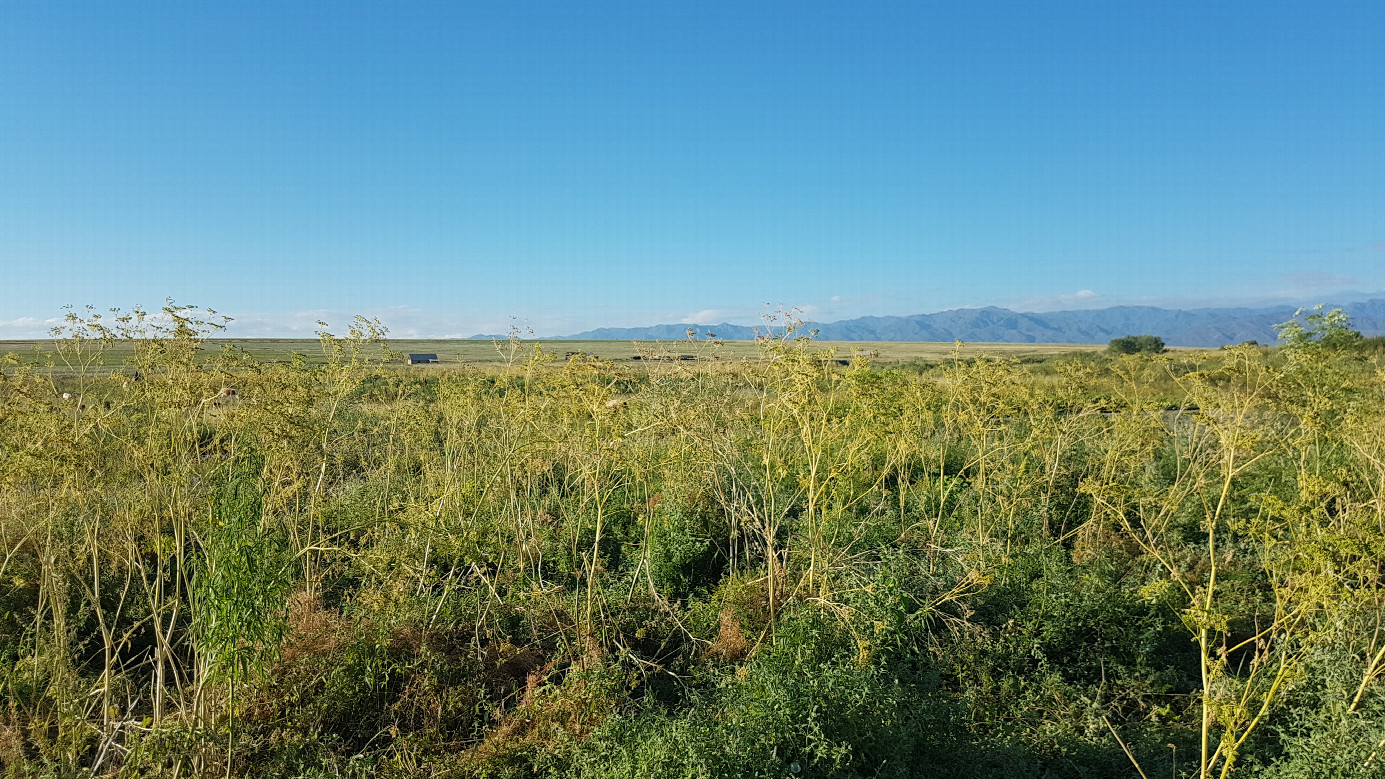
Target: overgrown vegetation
1085	566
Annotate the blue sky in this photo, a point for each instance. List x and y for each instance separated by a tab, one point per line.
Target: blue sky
448	166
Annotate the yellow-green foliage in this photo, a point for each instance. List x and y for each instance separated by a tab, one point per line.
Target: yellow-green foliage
1085	566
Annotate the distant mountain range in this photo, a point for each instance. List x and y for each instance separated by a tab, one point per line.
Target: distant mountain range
1205	327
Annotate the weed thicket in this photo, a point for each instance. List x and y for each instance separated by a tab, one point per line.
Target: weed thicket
1090	566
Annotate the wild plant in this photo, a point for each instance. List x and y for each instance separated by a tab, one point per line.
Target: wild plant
226	566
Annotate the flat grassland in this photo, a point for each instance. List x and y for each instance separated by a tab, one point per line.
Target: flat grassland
487	352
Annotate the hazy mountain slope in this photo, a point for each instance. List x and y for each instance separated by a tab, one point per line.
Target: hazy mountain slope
1208	327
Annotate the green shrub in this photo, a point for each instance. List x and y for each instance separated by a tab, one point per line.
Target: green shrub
1136	344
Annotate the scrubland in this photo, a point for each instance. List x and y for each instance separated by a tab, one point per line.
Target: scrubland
1079	565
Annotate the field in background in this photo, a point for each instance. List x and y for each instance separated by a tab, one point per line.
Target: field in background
884	352
468	352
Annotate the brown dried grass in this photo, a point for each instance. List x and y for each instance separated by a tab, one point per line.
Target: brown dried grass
730	644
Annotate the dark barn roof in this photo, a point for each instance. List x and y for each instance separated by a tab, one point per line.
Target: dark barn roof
423	358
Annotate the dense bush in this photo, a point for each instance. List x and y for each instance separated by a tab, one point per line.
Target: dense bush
1136	344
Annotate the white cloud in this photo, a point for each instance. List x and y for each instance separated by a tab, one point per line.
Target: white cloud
1082	298
28	327
29	321
707	316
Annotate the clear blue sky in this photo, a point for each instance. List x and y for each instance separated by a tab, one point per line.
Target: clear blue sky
577	164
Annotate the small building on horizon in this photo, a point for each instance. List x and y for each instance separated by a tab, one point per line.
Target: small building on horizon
422	359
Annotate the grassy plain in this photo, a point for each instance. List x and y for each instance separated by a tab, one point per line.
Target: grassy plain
457	352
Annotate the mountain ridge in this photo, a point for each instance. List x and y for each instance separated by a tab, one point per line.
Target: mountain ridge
1199	327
